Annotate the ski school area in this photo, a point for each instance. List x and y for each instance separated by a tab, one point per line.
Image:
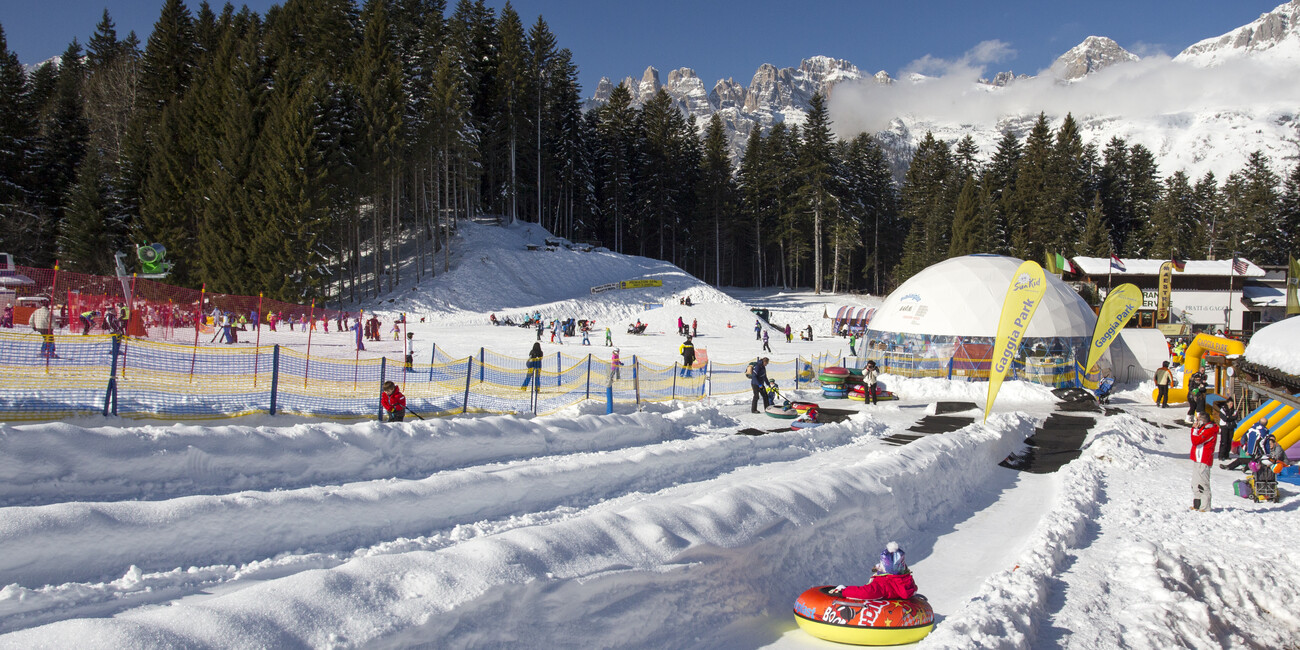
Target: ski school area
165	489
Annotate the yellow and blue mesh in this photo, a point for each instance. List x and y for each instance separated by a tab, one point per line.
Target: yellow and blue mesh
72	383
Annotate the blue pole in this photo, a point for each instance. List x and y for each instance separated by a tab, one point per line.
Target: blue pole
275	375
557	369
588	375
469	372
674	380
480	365
433	358
383	376
110	395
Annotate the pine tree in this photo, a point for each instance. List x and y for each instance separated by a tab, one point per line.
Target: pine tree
1211	222
64	134
617	134
512	96
1096	240
1173	220
1144	190
169	59
378	80
1289	213
85	241
547	75
815	173
927	205
1029	207
965	223
998	181
717	191
1255	211
17	135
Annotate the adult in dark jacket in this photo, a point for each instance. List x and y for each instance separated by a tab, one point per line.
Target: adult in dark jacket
533	368
759	383
1228	418
688	356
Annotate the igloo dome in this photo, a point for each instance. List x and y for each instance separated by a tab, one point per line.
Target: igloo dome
950	311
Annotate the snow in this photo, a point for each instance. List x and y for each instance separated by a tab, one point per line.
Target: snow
644	528
1275	346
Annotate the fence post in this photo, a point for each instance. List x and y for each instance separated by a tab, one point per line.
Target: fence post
383	376
433	358
636	378
558	371
588	375
480	366
275	375
675	372
469	372
110	395
949	368
709	370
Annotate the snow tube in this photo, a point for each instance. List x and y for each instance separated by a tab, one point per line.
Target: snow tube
802	407
836	371
863	622
859	393
804	424
781	412
834	393
832	380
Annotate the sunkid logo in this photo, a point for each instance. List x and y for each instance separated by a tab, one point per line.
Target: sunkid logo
912	296
1025	282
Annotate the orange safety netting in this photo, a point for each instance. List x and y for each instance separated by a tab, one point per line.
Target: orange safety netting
156	309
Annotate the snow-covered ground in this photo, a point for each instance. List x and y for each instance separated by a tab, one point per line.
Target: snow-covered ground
655	528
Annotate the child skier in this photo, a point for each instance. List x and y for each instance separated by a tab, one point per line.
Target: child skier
890	579
393	402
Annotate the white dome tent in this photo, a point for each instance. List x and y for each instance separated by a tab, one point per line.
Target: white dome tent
943	320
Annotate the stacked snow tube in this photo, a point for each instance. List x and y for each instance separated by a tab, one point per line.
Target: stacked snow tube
863	622
804	424
835	382
802	407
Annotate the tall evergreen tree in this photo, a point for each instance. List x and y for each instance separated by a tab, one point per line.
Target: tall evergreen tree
816	174
927	205
717	192
86	242
1096	241
1289	213
17	135
965	224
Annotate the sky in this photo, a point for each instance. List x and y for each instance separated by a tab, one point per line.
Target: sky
731	39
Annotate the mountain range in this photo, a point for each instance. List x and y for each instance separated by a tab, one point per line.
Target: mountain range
1204	110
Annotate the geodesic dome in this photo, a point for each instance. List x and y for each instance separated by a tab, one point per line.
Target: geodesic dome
950	311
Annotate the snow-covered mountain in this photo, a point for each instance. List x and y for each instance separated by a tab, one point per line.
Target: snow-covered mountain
1205	110
773	95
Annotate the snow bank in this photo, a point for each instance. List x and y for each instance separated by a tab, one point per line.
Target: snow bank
1275	346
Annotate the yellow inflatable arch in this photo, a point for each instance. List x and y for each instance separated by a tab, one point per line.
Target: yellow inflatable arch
1192	360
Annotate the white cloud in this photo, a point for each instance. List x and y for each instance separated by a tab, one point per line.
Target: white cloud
1153	86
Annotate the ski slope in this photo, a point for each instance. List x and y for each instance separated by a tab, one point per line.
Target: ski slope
656	527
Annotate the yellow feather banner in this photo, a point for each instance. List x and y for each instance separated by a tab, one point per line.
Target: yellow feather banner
1122	303
1026	291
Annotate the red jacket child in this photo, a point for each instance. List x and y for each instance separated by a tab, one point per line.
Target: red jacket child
1204	436
891	579
393	402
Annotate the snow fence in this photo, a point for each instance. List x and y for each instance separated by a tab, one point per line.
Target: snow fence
58	377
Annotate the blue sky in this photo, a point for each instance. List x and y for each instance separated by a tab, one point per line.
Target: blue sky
718	39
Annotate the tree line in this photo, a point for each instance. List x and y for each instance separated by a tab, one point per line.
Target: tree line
328	150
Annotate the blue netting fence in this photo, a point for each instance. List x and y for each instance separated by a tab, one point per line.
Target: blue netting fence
62	376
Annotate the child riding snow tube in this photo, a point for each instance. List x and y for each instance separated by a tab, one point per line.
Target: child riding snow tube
886	611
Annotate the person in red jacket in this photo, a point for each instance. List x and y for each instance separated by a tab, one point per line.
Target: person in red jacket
890	579
393	401
1204	436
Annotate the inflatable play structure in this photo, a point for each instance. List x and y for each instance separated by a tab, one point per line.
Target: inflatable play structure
1202	344
863	622
1280	419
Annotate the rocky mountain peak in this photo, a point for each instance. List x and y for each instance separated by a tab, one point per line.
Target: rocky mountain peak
1093	54
1276	34
727	94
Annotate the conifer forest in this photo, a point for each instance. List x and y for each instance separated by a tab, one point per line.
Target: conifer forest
328	150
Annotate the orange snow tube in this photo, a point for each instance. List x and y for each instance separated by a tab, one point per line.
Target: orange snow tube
863	622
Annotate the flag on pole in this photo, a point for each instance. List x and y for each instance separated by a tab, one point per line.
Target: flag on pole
1292	283
1117	264
1068	265
1179	264
1239	266
1052	265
